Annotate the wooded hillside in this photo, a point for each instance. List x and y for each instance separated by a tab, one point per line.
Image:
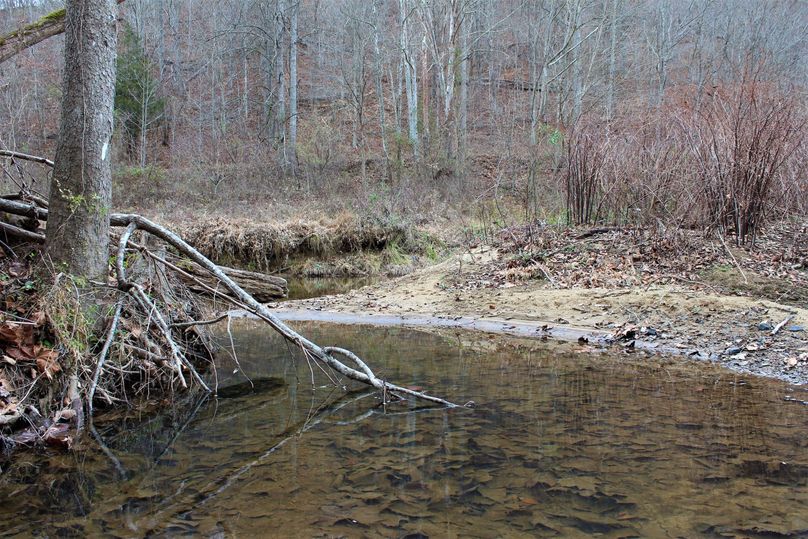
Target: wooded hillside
226	97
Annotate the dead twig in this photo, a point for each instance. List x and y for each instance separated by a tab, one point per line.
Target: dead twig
737	265
779	326
102	357
200	322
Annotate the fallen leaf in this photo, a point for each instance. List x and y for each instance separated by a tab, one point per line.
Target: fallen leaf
18	334
16	269
46	361
791	362
39	318
58	435
65	414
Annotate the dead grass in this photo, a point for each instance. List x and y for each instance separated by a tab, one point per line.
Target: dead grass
640	257
279	246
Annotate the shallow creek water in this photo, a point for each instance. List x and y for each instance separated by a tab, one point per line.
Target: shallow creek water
560	444
312	287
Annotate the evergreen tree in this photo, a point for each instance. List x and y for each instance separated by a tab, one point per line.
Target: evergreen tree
137	103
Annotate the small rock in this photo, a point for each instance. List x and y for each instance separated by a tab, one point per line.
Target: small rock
732	350
765	326
651	332
796	328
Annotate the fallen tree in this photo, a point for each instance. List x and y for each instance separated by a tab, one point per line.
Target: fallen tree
170	319
261	286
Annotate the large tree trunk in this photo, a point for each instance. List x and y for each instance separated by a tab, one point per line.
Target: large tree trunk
80	196
280	82
410	76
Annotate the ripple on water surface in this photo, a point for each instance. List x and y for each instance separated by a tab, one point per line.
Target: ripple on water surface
562	444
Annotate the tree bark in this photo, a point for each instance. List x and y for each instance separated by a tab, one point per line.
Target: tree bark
81	190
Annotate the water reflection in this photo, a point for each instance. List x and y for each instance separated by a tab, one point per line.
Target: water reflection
313	287
562	444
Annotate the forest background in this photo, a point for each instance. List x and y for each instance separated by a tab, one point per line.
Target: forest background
629	112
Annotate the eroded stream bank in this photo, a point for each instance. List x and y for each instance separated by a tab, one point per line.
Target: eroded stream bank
560	444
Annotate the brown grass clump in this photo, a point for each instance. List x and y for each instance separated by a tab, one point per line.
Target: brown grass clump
271	246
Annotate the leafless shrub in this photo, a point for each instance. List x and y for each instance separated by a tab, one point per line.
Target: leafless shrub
586	152
647	178
742	138
791	190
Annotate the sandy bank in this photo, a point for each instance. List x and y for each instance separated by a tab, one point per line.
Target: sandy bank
735	331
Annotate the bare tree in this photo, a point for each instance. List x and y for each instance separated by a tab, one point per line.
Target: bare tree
409	64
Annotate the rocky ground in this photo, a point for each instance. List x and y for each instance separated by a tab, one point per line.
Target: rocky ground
688	295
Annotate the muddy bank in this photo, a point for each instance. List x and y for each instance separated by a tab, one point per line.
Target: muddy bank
345	246
734	331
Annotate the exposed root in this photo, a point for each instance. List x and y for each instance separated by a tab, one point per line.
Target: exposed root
102	357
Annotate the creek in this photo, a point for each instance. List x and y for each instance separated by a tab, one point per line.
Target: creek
560	443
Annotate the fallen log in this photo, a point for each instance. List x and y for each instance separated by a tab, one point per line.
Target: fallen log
26	157
261	286
311	350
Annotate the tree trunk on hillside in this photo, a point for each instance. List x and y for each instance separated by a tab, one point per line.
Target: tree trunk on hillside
410	76
292	159
81	190
280	82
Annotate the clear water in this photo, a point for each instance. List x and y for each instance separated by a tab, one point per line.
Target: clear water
562	444
312	287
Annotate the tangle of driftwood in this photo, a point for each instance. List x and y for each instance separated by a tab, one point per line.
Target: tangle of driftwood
133	222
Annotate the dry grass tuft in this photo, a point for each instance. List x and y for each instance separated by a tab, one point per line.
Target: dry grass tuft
271	246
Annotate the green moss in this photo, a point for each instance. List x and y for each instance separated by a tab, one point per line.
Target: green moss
54	15
47	20
50	18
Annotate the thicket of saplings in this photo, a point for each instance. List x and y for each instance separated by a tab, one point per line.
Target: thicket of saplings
734	162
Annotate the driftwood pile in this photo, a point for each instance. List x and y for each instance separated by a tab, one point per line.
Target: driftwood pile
144	243
262	287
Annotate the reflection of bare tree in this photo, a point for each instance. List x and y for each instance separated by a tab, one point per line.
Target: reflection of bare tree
578	397
225	412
